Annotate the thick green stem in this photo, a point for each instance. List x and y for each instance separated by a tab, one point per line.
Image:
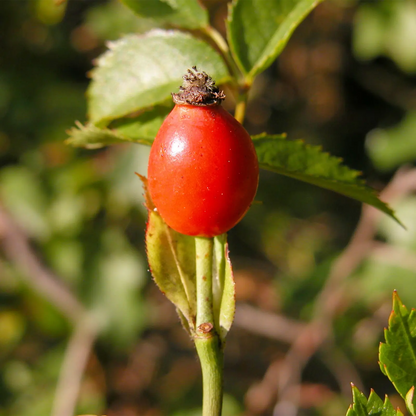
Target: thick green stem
206	339
211	358
204	312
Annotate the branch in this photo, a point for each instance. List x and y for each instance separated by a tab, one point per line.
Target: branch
17	249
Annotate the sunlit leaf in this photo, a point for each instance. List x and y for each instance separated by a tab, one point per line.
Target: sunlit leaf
258	30
398	354
141	129
171	257
182	13
374	406
307	163
139	71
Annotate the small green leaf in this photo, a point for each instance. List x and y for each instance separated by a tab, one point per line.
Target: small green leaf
310	164
258	30
91	137
398	354
181	13
140	129
223	287
374	406
171	259
139	71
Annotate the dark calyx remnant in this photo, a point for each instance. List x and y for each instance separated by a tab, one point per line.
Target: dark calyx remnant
199	89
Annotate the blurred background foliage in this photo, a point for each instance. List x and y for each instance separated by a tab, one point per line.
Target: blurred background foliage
347	81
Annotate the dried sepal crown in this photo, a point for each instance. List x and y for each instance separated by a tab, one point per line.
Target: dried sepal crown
198	89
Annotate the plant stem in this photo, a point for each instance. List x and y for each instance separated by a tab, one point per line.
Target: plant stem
240	108
211	358
222	45
206	339
204	312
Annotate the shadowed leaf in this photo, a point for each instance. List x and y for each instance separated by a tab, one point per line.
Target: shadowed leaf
310	164
181	13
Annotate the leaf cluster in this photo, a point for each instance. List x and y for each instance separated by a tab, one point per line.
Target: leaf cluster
397	358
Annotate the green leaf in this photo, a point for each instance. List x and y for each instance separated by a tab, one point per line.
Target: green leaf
140	71
398	354
223	287
91	137
258	30
171	257
141	129
310	164
182	13
390	148
374	406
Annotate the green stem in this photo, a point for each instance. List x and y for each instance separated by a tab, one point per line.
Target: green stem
204	311
211	358
240	83
206	339
240	108
222	45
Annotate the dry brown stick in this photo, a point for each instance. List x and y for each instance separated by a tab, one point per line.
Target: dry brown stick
17	249
270	325
328	303
73	367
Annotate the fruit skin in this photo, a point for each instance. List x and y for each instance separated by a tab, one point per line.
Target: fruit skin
203	170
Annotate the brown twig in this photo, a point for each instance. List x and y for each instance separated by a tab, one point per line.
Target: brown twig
17	248
267	324
70	378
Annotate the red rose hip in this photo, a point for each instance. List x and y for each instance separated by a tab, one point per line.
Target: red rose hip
203	169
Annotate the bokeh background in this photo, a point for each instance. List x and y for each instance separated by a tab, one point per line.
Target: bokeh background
314	272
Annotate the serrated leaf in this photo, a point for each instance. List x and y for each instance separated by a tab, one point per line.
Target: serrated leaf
258	30
139	71
187	14
374	406
223	287
310	164
398	354
141	129
171	259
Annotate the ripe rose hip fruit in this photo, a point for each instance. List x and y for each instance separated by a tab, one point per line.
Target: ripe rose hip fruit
203	169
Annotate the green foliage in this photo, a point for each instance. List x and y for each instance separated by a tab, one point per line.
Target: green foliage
398	353
389	148
187	14
387	28
138	72
309	164
374	406
258	30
